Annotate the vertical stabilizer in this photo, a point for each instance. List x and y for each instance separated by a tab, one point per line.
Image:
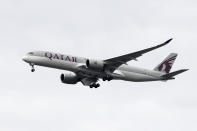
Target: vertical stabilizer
166	64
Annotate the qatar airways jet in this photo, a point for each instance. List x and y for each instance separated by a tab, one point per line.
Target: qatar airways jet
89	71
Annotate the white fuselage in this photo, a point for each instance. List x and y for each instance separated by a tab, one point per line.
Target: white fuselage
78	65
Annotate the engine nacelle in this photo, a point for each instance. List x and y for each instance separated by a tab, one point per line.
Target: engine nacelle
93	64
69	78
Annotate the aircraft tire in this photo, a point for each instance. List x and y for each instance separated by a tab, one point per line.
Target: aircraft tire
97	85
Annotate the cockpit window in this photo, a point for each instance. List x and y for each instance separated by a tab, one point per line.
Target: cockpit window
30	53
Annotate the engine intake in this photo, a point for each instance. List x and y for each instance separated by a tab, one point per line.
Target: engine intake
69	78
93	64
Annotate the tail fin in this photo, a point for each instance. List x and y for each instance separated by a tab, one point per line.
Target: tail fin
170	75
166	64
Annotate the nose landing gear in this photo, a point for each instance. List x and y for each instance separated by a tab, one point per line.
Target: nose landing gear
32	67
32	70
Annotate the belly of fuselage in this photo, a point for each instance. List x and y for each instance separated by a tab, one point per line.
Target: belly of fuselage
136	77
72	66
66	65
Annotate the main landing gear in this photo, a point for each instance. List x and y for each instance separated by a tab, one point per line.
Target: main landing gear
32	67
108	78
95	85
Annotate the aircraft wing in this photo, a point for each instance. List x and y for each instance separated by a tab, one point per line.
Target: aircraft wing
118	61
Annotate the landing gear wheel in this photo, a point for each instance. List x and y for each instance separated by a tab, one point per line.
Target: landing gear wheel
32	67
108	78
95	85
32	70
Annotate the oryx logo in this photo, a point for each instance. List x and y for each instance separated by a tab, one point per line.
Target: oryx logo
166	65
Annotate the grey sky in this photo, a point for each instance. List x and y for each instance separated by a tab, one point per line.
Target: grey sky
97	29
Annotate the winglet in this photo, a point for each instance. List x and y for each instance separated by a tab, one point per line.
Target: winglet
168	41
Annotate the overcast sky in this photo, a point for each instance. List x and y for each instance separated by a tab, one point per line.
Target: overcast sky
97	29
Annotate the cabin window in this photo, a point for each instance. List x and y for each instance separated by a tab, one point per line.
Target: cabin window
30	53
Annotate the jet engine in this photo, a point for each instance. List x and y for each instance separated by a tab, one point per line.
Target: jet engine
93	64
69	78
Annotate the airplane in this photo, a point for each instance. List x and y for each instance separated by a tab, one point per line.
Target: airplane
89	71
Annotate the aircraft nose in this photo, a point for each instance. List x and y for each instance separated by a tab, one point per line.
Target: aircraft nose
24	58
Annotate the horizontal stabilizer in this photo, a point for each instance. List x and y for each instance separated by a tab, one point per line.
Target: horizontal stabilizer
170	75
